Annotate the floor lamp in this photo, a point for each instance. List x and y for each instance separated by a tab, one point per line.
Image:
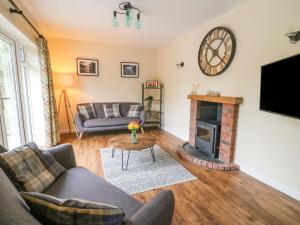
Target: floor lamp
65	81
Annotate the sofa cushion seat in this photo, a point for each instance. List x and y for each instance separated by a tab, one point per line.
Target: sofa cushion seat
78	182
107	122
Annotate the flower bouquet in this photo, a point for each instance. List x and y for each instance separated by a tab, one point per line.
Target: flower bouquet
133	127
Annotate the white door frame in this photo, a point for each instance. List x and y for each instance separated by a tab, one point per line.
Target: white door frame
16	86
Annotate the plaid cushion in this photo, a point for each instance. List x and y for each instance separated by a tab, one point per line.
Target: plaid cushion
134	111
87	111
55	211
29	168
112	111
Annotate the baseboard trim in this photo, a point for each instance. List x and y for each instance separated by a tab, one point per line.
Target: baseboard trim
67	131
274	184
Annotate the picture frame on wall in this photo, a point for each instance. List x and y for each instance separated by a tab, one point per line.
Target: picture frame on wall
152	84
130	69
87	67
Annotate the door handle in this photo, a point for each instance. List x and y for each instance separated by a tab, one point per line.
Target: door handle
4	99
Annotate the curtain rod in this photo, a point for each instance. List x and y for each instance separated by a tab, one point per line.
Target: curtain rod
17	10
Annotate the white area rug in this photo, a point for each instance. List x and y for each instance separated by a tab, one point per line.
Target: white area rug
143	174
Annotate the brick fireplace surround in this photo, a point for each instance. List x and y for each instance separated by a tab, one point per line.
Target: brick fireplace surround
228	131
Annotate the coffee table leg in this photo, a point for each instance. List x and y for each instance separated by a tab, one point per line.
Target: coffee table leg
127	160
152	153
113	152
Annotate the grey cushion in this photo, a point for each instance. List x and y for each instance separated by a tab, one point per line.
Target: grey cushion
107	122
55	211
2	149
80	183
124	107
13	210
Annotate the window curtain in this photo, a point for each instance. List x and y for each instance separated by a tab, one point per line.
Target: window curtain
49	103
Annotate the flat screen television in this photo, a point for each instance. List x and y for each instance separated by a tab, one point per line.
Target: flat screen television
280	87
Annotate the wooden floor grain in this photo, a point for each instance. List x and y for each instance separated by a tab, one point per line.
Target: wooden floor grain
220	198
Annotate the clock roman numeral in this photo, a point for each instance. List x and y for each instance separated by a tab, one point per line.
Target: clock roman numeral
228	48
227	39
214	70
203	63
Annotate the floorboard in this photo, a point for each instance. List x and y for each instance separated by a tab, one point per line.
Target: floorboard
216	197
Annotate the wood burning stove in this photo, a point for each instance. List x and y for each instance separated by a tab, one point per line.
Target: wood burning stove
208	137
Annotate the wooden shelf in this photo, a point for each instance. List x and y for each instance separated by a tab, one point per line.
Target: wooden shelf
217	99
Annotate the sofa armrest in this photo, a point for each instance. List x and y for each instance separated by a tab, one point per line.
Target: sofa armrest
79	121
159	211
64	155
142	117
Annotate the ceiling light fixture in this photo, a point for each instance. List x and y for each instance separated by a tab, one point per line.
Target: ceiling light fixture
128	10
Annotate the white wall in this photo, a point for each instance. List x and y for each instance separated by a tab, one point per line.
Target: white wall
109	86
268	145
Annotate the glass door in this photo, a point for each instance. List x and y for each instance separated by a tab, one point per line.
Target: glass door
11	122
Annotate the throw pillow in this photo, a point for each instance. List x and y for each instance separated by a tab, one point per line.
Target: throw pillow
87	111
55	211
134	111
29	168
2	149
112	111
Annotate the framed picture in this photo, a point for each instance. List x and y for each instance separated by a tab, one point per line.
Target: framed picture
129	69
152	84
87	67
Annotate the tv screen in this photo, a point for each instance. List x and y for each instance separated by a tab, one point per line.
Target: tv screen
280	87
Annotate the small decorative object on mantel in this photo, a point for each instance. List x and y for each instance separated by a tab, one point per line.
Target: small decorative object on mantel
213	93
87	67
195	89
152	84
129	69
293	36
216	51
133	127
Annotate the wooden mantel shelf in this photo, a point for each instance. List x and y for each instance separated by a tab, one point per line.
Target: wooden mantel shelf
217	99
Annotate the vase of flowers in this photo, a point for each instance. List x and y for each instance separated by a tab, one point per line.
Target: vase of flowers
134	127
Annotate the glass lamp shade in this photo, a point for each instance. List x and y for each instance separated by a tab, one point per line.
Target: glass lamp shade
115	22
129	13
127	21
138	24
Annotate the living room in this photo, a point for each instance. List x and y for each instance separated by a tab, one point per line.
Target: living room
219	151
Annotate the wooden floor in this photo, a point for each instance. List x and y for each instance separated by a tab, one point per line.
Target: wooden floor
216	197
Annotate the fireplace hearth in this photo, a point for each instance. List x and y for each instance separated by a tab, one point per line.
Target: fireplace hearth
213	125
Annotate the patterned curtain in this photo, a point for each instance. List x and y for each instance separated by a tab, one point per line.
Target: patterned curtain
50	112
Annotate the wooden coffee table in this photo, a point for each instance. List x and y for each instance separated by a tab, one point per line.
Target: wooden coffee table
123	143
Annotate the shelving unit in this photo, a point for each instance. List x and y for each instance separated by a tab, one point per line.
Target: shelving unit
154	116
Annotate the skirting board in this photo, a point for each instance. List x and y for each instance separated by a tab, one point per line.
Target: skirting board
274	184
67	131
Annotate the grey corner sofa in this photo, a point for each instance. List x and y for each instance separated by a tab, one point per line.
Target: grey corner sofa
100	123
78	182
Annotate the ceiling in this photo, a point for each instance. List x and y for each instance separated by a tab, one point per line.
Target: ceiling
90	20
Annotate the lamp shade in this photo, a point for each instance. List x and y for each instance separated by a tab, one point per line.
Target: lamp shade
65	80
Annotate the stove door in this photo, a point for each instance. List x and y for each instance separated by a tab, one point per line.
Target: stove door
205	138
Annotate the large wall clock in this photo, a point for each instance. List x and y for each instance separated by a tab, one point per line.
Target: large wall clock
216	51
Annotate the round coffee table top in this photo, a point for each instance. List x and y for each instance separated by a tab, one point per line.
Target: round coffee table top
123	142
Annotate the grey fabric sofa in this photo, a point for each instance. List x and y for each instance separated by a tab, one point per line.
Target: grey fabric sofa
100	123
78	182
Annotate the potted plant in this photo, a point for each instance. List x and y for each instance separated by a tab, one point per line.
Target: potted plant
149	100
